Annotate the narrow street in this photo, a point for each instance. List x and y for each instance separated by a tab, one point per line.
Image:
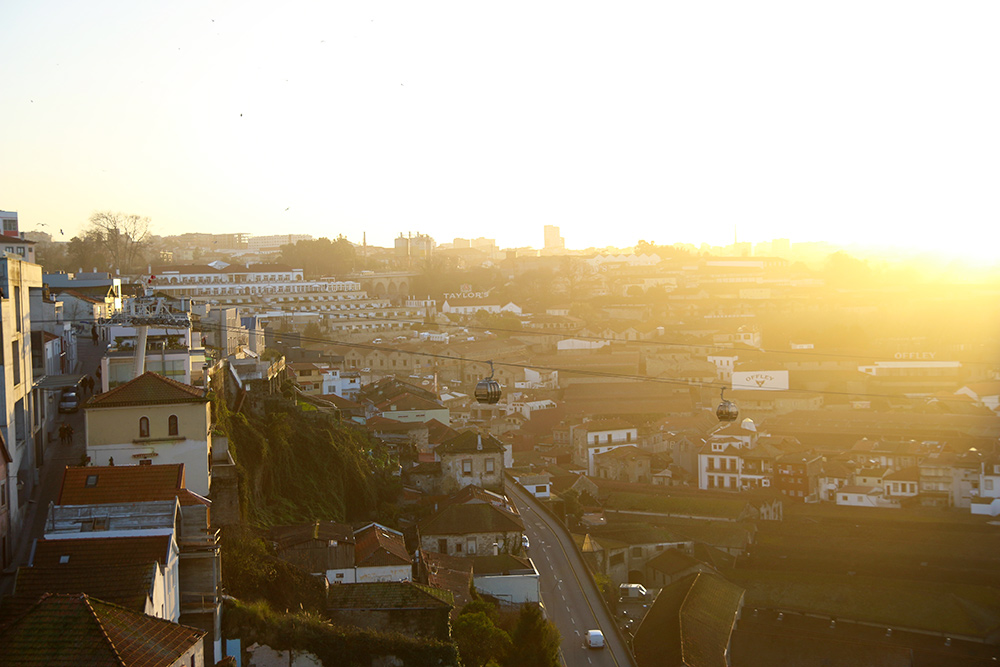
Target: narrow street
57	457
570	598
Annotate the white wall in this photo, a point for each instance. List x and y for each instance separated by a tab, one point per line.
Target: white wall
513	588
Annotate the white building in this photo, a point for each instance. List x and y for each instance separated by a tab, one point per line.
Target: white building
160	520
276	293
345	384
19	421
510	578
152	418
379	555
273	242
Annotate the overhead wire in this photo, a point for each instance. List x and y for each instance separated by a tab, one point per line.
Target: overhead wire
511	364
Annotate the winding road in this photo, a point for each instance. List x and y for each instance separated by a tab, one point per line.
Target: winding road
571	600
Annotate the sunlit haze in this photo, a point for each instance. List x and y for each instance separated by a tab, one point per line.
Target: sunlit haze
869	123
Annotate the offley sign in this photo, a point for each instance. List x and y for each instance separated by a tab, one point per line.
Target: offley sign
761	380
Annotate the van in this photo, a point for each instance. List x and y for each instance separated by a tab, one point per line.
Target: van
632	591
594	639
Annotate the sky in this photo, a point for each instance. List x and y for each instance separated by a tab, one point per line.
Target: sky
869	122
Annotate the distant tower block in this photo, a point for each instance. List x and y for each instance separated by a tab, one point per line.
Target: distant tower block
552	239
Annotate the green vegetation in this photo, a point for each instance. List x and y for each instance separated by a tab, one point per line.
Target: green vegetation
321	257
347	647
479	640
253	573
298	466
486	637
534	640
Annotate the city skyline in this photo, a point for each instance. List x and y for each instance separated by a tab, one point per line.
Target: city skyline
865	125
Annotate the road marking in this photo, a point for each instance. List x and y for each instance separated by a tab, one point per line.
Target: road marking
579	583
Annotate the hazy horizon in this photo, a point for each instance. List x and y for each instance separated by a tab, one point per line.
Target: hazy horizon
859	125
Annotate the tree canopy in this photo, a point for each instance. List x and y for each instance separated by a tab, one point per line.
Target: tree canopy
321	257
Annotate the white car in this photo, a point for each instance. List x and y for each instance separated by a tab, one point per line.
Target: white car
594	639
524	542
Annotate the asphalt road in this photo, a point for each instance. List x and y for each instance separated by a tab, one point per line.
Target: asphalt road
571	600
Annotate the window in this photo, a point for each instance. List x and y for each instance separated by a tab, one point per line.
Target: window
470	546
91	481
143	427
443	546
636	552
15	353
988	484
467	466
489	465
172	425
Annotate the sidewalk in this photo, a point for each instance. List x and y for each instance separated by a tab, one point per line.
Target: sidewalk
57	457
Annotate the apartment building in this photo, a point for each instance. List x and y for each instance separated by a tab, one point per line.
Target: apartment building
276	293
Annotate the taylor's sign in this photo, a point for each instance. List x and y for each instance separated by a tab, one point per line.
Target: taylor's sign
919	356
764	380
466	295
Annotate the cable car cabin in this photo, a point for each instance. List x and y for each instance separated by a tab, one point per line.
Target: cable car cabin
488	391
727	411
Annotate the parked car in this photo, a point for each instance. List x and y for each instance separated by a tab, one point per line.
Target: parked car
70	402
594	639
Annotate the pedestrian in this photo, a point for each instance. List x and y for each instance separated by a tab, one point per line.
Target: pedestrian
62	434
69	434
93	333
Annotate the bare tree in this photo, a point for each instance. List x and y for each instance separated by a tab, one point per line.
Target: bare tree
125	237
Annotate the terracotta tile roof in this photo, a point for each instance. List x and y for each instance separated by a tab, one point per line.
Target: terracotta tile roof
102	551
450	573
471	519
101	485
388	595
148	389
80	630
289	536
630	452
376	546
606	425
408	401
471	441
127	585
911	474
499	564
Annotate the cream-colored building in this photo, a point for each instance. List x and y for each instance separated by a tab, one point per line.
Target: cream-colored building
152	418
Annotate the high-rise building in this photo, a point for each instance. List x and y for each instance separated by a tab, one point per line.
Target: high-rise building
552	239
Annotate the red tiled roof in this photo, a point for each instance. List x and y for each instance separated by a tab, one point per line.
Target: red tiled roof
375	546
471	441
289	536
408	401
128	585
80	630
102	485
471	519
449	573
148	389
102	551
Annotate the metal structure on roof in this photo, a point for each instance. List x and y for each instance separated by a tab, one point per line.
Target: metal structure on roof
142	312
